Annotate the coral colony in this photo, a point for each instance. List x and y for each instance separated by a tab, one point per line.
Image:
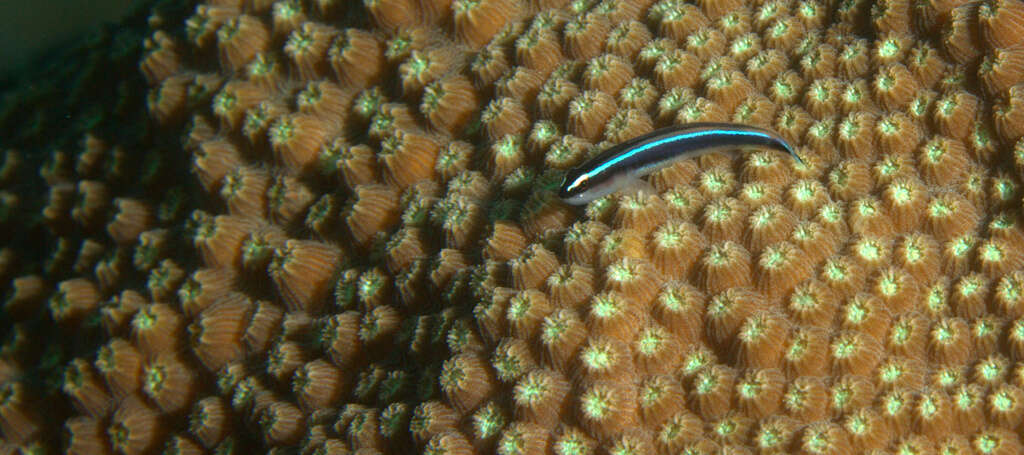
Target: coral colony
363	251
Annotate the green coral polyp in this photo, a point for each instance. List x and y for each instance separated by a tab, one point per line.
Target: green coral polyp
893	404
889	48
596	404
488	421
598	358
706	382
870	251
782	88
651	342
695	362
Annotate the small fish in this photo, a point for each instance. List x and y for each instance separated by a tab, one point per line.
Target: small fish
624	164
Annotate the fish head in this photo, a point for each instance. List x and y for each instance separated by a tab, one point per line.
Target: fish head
576	188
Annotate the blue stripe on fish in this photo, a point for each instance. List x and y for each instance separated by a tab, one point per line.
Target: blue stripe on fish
616	167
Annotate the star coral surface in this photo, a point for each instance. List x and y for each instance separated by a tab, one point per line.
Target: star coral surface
339	234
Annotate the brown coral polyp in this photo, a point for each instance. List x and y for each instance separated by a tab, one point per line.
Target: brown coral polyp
357	58
307	47
526	311
554	98
86	435
282	423
949	215
244	190
506	155
894	86
512	358
606	408
157	328
505	242
374	209
448	103
627	38
208	420
588	114
725	265
296	140
584	36
466	381
74	300
135	428
997	20
170	381
86	388
779	267
1008	116
627	124
130	219
942	161
541	397
477	21
167	101
325	99
240	39
504	116
532	267
723	219
582	241
571	285
768	224
287	200
161	58
609	314
953	114
217	335
675	248
302	271
1000	70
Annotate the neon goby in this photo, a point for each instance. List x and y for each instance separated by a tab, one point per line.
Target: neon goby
623	164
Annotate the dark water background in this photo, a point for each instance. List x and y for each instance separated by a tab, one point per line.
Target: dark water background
31	28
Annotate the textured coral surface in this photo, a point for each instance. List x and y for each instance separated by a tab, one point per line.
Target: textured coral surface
339	234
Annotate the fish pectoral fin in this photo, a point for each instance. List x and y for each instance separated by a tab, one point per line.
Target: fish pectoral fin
636	186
